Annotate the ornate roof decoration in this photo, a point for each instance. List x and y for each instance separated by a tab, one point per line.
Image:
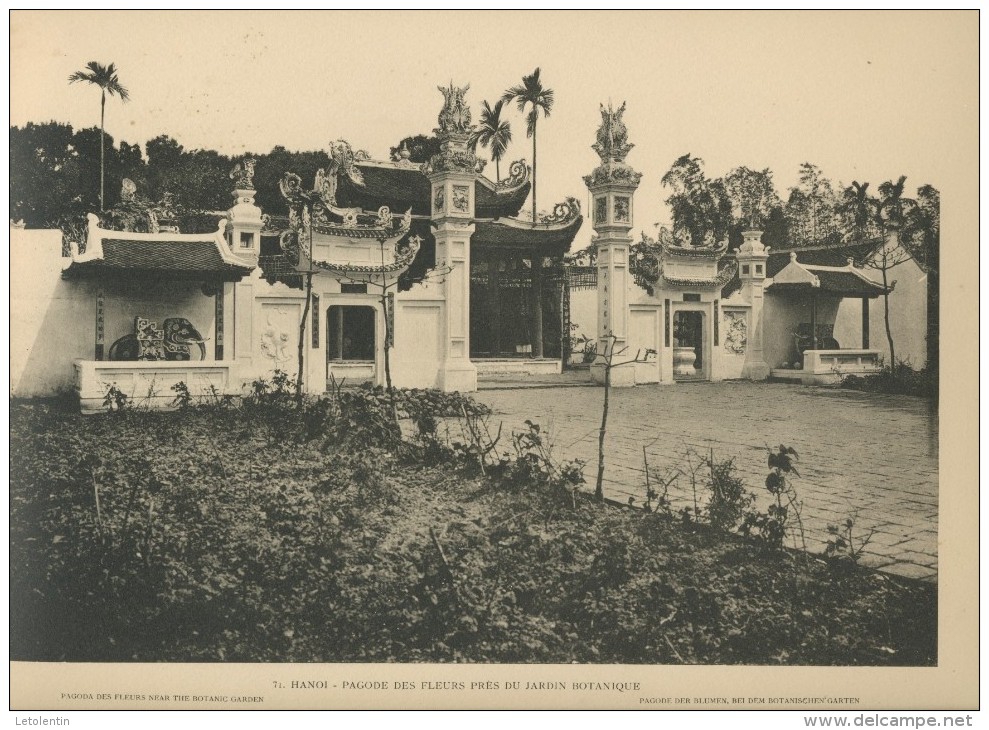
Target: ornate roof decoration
618	172
518	175
727	269
317	208
563	212
454	131
404	256
243	174
680	243
612	146
454	117
315	212
552	235
612	136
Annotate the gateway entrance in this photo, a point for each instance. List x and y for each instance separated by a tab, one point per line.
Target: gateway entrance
689	358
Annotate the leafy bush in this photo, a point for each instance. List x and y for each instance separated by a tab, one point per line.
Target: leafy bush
775	523
729	500
213	542
903	381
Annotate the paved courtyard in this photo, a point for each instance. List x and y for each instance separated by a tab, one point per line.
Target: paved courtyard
869	457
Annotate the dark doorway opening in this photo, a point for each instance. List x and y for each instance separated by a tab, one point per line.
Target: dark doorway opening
350	334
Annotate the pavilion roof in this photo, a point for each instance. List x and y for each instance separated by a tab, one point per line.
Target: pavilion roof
844	281
157	255
509	235
815	255
403	185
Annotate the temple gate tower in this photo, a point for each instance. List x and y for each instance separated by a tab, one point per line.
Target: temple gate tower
612	185
752	259
452	174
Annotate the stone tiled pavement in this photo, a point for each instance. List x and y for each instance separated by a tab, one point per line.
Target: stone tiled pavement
869	457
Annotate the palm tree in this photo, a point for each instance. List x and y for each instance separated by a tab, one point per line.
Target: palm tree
859	208
531	93
106	78
493	131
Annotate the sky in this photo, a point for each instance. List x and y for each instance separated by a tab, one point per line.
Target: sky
867	96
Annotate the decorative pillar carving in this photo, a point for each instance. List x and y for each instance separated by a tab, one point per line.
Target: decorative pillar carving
452	174
100	325
218	316
612	185
752	257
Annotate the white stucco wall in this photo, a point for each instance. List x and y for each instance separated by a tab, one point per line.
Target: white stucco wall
52	321
418	350
907	316
782	314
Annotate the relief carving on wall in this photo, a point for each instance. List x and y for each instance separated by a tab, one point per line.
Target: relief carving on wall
736	332
276	337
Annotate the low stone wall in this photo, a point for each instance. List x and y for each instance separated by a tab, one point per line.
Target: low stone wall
149	384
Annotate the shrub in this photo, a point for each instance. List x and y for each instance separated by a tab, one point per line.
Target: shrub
904	380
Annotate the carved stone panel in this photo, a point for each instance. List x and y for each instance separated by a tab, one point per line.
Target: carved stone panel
279	332
622	210
736	332
461	198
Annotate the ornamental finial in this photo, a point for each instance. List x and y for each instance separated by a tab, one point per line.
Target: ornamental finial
612	138
243	174
455	114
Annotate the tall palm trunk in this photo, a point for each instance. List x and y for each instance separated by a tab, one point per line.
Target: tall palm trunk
102	114
533	173
537	274
889	333
497	170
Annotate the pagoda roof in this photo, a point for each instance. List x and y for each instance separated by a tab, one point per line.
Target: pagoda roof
727	268
200	256
844	281
822	256
552	235
403	185
815	255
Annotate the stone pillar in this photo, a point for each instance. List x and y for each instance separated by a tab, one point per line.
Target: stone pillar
245	217
865	323
452	174
612	185
536	274
494	303
752	257
244	240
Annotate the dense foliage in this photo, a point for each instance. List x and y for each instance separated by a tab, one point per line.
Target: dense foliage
904	381
262	531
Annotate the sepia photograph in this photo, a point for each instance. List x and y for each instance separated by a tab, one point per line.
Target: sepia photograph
585	359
